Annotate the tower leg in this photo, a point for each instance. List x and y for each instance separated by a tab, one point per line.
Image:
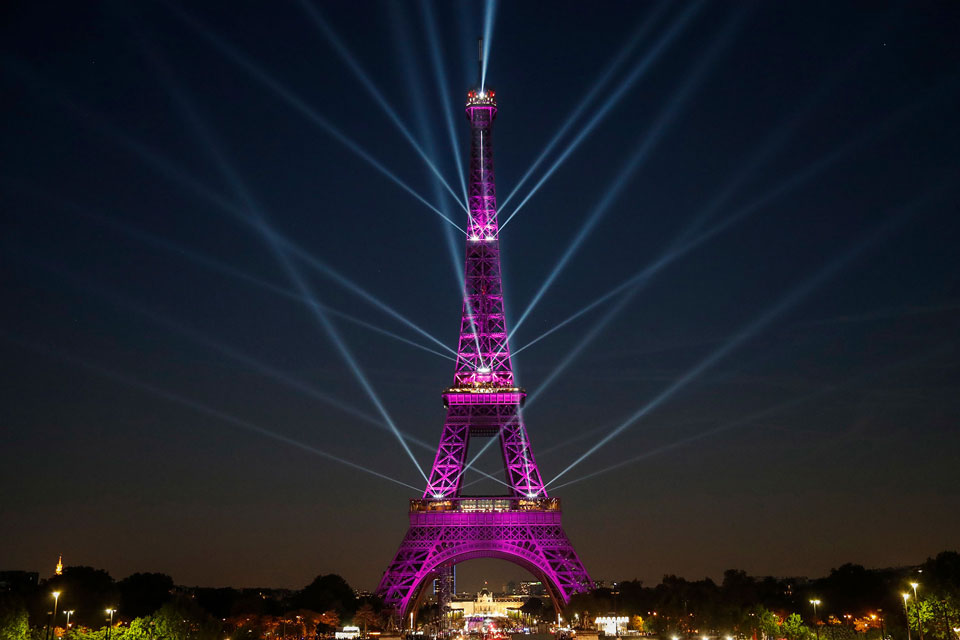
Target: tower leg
523	474
447	472
437	540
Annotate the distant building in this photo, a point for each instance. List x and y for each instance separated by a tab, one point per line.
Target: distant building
532	588
59	570
347	633
18	580
488	606
446	583
612	625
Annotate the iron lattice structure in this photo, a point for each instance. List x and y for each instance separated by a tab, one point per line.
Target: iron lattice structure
446	528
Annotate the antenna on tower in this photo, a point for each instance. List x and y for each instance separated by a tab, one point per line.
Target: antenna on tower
480	63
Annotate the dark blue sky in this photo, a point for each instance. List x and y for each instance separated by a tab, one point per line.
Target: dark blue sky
826	432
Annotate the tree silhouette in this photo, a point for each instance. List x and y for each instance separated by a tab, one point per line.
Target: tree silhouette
366	616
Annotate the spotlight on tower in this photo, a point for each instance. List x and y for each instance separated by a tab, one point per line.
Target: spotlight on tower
440	77
334	335
638	71
199	407
761	322
647	143
299	105
357	290
411	69
219	347
255	217
760	415
489	17
182	251
681	245
601	82
351	61
272	236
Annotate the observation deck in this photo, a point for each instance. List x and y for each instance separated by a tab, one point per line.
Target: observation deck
492	504
483	393
485	511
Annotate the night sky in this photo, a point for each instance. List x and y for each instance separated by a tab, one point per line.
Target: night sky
168	404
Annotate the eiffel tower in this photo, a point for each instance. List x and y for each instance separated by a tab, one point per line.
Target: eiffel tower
446	528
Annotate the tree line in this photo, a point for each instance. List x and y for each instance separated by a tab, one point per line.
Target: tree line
852	602
149	606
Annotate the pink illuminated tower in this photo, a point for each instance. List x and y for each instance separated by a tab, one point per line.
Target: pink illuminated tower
524	526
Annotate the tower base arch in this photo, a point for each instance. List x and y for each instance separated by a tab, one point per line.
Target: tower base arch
530	536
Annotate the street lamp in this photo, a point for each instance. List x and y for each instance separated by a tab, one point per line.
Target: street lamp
906	596
815	625
111	612
69	613
916	605
53	620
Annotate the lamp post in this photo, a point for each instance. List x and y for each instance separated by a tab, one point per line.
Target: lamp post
880	616
815	625
906	596
53	620
69	613
916	606
111	612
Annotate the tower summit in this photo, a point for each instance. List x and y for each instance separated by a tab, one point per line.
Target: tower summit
483	357
524	525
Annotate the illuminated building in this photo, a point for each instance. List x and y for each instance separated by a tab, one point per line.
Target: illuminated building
612	625
488	606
